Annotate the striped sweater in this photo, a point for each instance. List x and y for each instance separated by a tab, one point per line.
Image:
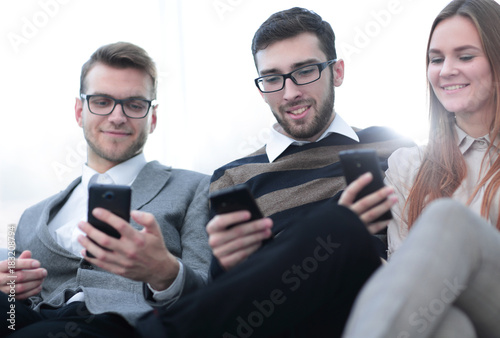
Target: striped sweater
302	175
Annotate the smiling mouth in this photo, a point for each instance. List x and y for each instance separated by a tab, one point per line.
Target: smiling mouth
298	111
116	132
454	87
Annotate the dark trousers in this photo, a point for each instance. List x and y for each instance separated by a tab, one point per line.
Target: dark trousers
301	284
72	320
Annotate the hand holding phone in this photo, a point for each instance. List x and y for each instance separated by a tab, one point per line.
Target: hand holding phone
115	198
230	200
235	198
359	161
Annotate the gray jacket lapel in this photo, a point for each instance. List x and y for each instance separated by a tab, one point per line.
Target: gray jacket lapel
149	183
56	203
48	212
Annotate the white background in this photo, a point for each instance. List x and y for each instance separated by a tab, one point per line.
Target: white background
210	110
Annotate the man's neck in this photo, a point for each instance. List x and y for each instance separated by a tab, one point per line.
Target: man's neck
102	165
101	168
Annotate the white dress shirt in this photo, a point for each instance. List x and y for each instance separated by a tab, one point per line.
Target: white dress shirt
279	142
64	226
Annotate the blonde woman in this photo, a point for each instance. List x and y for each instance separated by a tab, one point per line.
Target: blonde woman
443	279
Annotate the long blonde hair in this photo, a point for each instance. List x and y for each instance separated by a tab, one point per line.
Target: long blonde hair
443	168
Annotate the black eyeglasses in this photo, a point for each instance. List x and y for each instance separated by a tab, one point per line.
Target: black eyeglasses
104	105
300	76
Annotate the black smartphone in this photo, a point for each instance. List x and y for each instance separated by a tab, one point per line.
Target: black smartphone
115	198
355	163
235	198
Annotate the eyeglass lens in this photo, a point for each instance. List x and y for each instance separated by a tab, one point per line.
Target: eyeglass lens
103	105
301	76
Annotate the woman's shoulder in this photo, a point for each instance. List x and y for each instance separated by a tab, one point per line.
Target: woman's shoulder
407	157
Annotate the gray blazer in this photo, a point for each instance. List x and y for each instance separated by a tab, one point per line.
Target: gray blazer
179	201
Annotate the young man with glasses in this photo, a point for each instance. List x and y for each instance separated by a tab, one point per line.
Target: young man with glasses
297	271
60	291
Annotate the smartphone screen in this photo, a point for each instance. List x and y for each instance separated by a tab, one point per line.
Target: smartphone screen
115	198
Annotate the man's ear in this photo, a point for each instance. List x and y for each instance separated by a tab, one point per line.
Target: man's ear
152	127
78	111
338	72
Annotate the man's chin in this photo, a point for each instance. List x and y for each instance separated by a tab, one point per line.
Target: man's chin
301	133
116	156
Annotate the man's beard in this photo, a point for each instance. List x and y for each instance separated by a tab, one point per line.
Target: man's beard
118	156
296	129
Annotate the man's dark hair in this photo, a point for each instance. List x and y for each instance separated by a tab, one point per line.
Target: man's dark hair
121	55
290	23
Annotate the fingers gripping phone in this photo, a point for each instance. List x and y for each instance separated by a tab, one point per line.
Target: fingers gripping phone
235	198
115	198
359	161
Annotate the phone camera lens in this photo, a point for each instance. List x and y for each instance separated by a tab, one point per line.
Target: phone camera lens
108	195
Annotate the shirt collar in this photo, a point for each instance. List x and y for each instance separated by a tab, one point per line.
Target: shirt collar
278	142
465	141
122	174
